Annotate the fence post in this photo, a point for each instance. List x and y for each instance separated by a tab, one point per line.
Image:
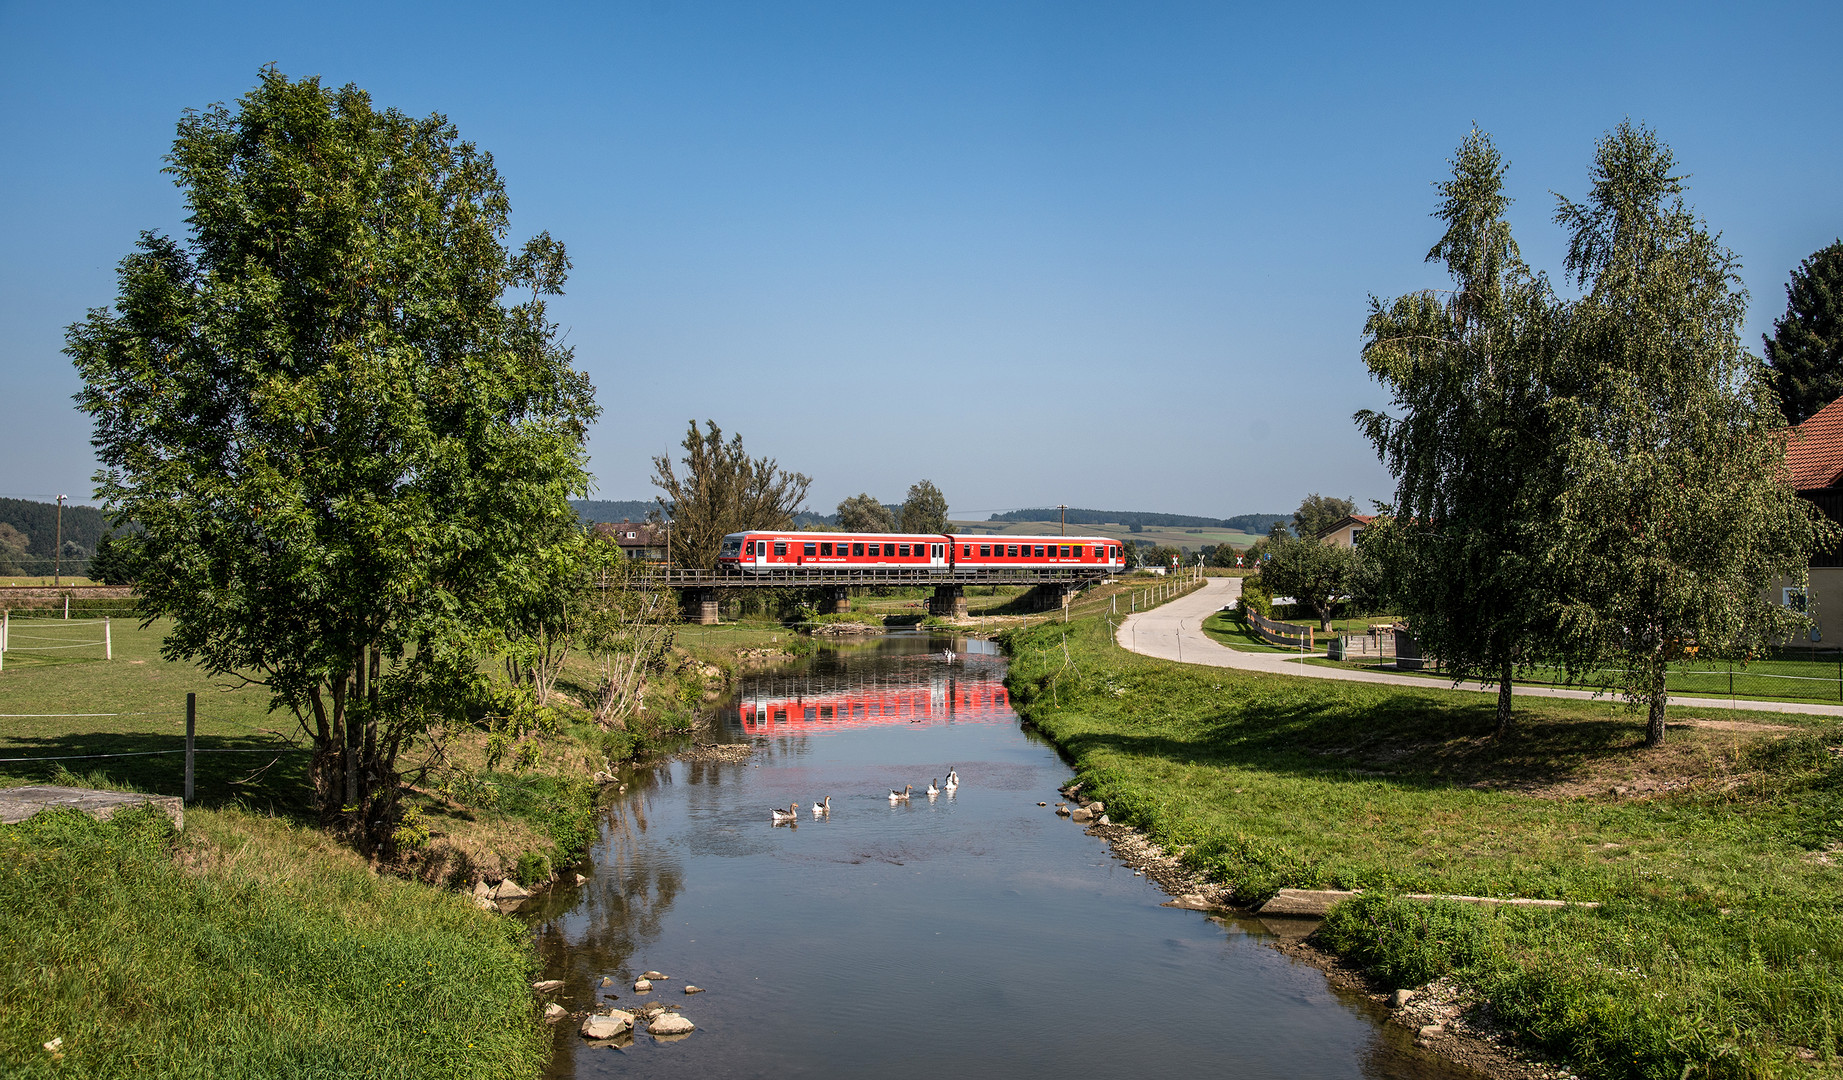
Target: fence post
108	639
66	607
191	726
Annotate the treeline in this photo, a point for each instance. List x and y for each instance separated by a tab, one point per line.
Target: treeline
38	522
1248	523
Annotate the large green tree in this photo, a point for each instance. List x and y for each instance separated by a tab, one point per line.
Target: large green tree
1317	513
863	514
1805	351
717	489
925	509
1470	440
343	443
1676	517
1316	575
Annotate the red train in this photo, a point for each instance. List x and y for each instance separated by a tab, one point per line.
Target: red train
762	551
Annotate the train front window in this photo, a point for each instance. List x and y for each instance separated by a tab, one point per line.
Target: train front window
731	549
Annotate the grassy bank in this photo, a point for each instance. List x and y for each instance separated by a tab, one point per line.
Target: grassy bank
247	948
1720	943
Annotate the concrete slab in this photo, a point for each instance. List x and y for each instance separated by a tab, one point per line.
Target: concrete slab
1308	902
20	803
1488	901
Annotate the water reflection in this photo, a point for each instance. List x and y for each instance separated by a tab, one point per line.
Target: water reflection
975	928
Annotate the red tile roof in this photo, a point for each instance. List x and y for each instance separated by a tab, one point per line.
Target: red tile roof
1815	454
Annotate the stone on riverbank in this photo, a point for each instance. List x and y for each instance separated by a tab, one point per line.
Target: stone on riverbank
1082	815
554	1012
547	985
641	986
1303	901
510	890
1062	810
606	1027
1401	998
669	1024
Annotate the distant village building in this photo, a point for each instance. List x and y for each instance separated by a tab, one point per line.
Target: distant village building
641	540
1345	530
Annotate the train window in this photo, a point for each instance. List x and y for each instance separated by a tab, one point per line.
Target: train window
825	549
876	551
780	547
807	549
1078	551
985	550
904	551
966	551
761	547
857	550
1065	552
1039	551
1011	551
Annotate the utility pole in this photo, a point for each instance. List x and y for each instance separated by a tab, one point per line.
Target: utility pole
57	553
1062	513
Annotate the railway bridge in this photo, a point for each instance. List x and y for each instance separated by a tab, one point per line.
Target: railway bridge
699	587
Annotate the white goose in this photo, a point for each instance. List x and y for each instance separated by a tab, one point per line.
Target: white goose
903	795
933	789
779	816
823	808
953	778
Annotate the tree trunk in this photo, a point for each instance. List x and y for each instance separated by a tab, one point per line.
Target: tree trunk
1659	698
1503	699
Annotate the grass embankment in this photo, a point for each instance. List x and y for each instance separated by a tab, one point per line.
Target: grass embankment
1719	948
248	948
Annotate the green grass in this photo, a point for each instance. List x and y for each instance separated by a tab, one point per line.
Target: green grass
1231	631
1720	945
249	948
1790	678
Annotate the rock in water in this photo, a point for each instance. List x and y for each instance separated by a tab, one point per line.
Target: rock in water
1061	810
554	1012
510	890
689	989
641	986
653	975
670	1024
547	985
1084	814
606	1027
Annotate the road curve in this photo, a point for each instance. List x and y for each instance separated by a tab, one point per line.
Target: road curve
1174	631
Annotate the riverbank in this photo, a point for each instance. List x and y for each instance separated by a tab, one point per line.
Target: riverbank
1719	943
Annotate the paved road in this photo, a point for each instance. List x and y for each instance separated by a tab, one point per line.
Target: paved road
1173	631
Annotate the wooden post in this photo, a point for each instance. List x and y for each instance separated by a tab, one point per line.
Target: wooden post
108	639
66	607
191	727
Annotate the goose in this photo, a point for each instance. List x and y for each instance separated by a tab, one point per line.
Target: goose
953	778
933	788
903	795
792	813
823	807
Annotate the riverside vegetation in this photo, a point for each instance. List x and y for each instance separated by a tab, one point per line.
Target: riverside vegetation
1719	946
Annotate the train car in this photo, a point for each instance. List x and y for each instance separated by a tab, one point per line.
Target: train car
766	551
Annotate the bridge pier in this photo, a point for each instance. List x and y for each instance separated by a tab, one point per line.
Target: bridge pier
701	606
948	602
838	600
1055	594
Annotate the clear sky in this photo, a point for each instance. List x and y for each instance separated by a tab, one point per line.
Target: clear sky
1110	255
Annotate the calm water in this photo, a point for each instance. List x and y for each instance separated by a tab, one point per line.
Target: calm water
974	935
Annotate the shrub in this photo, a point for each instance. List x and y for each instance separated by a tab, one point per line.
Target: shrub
1410	942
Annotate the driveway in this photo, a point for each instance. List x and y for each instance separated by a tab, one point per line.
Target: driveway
1173	631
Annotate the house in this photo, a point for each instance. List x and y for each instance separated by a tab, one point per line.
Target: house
1814	457
638	540
1344	531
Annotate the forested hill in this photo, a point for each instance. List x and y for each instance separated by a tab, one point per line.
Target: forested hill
594	510
83	525
1248	523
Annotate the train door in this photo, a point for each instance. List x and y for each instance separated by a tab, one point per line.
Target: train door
761	555
937	557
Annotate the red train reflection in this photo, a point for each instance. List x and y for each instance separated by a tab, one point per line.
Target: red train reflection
816	710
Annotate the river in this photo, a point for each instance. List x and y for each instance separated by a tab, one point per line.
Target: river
971	934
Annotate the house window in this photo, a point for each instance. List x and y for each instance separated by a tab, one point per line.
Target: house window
1795	599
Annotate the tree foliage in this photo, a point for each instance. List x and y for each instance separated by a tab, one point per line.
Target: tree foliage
863	514
1471	443
1677	517
1319	512
344	448
925	509
1805	351
721	490
1316	575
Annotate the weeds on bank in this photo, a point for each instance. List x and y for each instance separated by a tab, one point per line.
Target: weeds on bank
1720	945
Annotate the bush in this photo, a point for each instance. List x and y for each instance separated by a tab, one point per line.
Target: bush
1410	942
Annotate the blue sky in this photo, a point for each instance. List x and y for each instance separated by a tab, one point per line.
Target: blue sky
1110	255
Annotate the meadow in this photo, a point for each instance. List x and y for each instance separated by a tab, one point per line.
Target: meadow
1718	950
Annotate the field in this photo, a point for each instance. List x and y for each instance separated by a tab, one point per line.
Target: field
1194	539
1719	948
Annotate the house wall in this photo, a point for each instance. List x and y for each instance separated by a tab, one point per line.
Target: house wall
1824	594
1344	537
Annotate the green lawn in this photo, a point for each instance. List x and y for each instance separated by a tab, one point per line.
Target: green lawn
1814	679
1719	951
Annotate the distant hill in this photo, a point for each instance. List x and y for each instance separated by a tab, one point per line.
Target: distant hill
1247	523
83	525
